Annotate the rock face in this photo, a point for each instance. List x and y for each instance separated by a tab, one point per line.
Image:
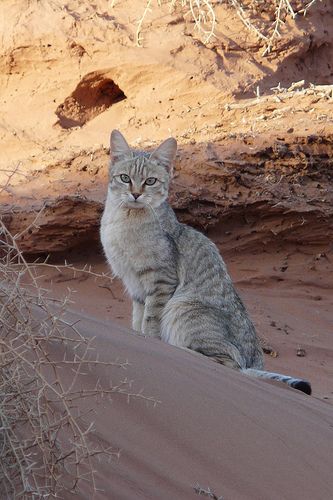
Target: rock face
267	191
255	169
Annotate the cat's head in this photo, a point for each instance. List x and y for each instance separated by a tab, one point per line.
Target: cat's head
139	179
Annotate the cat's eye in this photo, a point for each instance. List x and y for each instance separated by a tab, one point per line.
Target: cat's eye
150	181
125	178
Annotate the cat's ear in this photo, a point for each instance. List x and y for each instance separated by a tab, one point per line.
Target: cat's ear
118	146
165	153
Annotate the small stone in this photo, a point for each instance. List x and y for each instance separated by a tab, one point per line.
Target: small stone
269	350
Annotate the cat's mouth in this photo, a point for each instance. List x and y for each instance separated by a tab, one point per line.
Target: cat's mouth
137	204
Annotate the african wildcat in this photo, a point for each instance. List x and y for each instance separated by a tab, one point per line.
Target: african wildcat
175	276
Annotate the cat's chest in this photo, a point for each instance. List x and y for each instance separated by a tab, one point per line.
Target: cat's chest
115	240
126	245
121	258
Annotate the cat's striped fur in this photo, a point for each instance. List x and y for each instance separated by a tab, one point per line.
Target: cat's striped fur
175	276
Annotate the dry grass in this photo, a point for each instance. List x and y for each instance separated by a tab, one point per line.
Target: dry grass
206	492
45	418
38	411
265	19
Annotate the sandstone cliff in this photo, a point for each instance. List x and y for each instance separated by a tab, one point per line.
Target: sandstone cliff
254	148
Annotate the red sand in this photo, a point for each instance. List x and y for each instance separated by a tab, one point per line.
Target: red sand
213	428
240	437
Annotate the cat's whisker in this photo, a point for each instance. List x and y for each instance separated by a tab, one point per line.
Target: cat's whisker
120	204
151	208
153	211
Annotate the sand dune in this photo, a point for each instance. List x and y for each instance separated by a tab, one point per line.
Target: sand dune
213	428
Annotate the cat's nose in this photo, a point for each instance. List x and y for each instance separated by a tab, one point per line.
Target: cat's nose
136	195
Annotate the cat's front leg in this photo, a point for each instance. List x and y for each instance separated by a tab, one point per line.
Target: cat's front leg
137	315
151	324
155	302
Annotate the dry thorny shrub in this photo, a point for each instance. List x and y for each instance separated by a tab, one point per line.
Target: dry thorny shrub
45	418
265	19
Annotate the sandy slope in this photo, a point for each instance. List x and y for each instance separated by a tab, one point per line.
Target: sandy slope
241	438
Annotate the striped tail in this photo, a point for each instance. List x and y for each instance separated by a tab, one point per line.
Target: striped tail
296	383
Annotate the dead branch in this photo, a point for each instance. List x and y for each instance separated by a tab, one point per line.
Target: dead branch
45	445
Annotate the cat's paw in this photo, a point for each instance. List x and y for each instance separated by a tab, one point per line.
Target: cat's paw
149	331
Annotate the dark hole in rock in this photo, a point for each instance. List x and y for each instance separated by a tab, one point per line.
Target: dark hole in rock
94	94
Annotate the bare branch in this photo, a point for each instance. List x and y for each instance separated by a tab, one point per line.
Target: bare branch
45	445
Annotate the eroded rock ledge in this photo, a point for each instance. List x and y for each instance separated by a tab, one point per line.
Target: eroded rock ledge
250	190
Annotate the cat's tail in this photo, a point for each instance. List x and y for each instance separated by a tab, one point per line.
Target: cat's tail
296	383
228	360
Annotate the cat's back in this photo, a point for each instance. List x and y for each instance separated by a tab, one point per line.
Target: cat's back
201	267
206	310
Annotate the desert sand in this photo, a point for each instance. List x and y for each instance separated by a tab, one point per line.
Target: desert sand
211	428
253	171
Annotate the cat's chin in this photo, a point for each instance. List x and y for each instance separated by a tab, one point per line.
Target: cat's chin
136	205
